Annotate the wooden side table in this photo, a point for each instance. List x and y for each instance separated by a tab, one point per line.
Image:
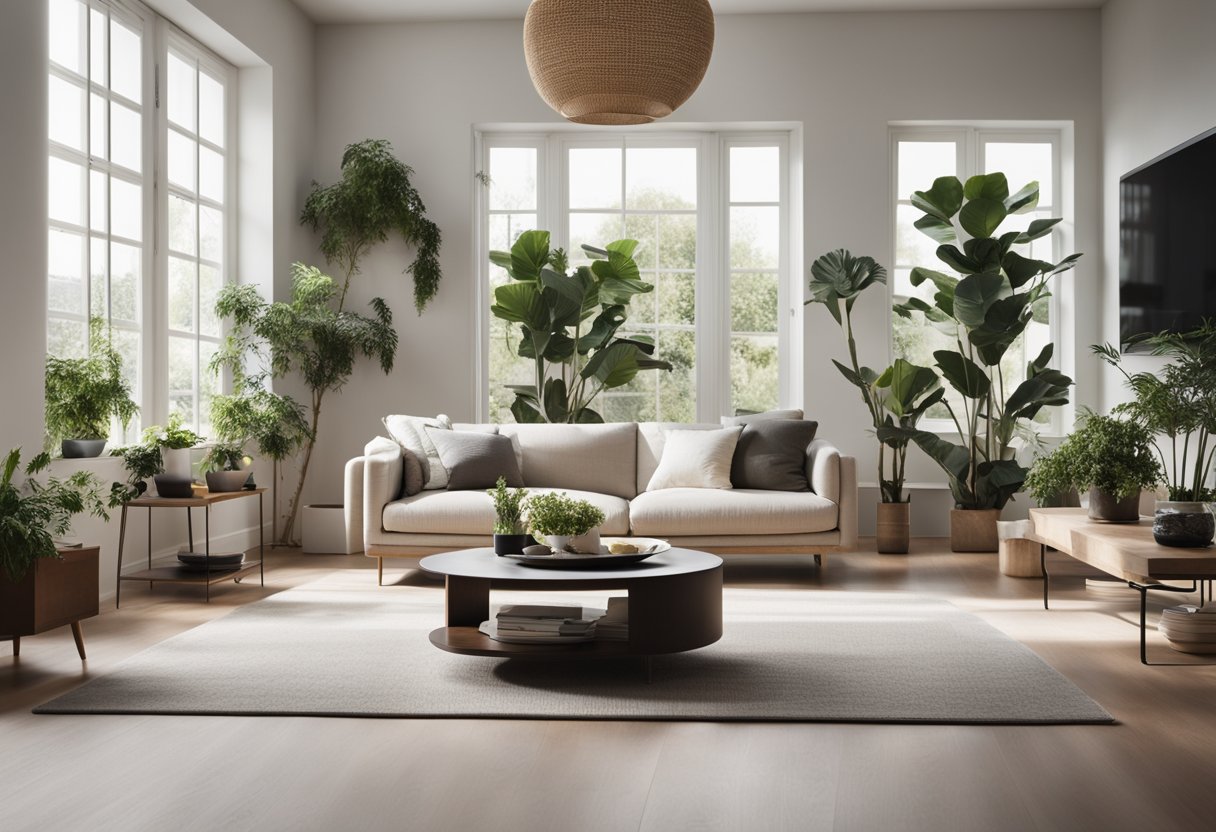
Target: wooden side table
179	574
54	593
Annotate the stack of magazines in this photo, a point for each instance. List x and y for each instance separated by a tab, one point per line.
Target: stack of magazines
614	625
543	624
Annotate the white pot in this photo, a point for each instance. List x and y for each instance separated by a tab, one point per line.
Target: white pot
177	461
584	544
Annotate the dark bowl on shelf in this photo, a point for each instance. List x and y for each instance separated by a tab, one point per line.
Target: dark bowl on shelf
172	486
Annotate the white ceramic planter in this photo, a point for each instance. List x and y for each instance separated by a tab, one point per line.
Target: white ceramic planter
586	544
177	461
323	530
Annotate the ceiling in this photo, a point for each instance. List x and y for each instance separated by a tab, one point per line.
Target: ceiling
377	11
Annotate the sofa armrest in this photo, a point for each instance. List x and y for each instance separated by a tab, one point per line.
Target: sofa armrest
353	503
383	469
834	476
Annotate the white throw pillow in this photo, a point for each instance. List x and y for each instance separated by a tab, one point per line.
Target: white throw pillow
410	433
695	459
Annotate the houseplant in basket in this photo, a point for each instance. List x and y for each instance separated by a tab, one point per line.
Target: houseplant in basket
226	467
564	523
32	515
1178	403
83	394
985	306
510	536
1112	458
895	398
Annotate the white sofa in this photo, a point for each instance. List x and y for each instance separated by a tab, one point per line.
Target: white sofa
610	465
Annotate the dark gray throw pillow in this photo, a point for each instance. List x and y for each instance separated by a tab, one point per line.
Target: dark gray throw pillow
476	460
771	455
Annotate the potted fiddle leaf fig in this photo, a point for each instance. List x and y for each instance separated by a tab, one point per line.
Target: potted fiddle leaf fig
569	325
1177	403
986	305
895	399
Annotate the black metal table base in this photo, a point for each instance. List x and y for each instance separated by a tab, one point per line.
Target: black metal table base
1204	588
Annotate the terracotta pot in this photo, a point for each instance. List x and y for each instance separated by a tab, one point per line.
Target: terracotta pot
893	528
1184	525
974	530
1107	509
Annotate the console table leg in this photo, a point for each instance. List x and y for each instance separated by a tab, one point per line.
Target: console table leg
79	636
122	536
1143	604
1043	569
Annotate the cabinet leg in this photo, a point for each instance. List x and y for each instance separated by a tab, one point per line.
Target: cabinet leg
16	646
78	634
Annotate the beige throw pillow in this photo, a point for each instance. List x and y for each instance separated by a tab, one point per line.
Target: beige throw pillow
410	433
695	459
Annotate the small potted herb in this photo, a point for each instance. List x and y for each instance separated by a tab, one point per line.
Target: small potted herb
564	523
82	394
510	536
226	467
175	441
143	462
1111	457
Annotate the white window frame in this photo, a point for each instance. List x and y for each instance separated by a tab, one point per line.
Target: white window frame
971	139
169	37
713	245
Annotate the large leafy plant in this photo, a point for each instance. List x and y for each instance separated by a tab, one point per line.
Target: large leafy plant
375	198
33	514
895	398
1115	456
82	394
309	336
985	306
1177	403
569	324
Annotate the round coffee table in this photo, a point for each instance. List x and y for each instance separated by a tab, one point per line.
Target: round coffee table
675	602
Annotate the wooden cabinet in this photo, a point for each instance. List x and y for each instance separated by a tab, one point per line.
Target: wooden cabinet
53	593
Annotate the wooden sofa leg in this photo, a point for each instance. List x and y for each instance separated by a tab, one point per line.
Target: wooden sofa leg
379	571
819	560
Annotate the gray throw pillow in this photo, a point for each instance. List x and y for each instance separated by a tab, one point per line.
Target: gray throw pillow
476	460
749	418
771	455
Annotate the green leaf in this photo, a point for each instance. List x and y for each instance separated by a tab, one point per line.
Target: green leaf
1024	200
1066	264
975	294
964	375
602	329
942	200
985	251
501	259
955	460
587	416
939	229
852	377
564	296
839	275
625	248
993	186
556	406
525	412
529	255
997	481
955	259
982	216
1021	270
1037	229
614	366
902	384
1005	321
521	303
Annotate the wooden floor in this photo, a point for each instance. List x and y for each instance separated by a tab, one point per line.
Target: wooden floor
1153	771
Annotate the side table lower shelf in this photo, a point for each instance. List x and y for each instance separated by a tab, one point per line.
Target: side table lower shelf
182	575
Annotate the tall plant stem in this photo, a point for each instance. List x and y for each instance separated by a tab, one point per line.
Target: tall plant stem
294	506
352	260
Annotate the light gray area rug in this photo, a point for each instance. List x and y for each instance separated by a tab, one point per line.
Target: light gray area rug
340	647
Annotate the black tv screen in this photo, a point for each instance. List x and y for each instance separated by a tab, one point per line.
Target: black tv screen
1167	241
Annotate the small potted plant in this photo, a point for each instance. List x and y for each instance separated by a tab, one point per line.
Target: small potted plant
82	394
143	462
510	536
226	467
564	523
32	569
1111	457
1050	481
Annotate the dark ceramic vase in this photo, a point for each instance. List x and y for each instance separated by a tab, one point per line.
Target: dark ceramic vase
1184	525
1110	509
512	544
82	448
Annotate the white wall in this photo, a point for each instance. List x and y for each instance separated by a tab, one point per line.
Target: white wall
844	76
1158	77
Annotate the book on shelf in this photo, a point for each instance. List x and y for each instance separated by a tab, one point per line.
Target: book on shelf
614	624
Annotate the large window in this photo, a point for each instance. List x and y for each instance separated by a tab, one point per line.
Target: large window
139	142
709	213
920	155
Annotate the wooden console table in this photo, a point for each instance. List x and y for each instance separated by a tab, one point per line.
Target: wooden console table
179	574
1125	551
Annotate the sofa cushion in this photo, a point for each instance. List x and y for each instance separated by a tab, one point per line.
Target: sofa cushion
651	439
697	511
472	512
410	433
695	459
771	455
600	458
474	459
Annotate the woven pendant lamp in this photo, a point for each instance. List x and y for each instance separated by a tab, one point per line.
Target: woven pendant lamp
617	61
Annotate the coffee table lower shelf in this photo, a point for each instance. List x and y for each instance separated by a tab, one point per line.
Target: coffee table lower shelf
470	641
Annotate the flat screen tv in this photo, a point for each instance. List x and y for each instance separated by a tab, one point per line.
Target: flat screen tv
1167	241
